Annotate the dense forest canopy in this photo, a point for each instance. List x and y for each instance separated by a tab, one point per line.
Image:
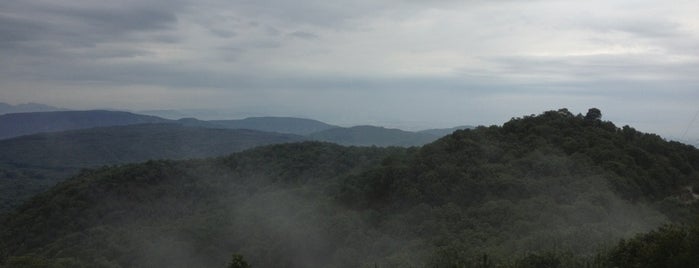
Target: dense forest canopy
548	190
31	164
67	141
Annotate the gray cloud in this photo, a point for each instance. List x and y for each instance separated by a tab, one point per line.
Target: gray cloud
224	33
481	60
13	30
34	27
303	35
89	22
651	27
118	21
601	67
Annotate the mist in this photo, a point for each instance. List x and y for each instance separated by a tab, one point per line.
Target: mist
391	133
200	213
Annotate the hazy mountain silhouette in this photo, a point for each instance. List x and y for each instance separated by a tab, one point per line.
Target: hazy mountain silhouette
26	108
292	125
372	136
441	132
18	124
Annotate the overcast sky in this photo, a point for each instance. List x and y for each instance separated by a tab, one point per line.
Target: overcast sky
411	63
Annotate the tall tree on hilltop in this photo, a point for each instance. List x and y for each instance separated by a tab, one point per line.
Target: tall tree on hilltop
593	114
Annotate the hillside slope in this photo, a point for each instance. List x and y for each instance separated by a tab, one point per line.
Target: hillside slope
441	132
133	143
255	197
641	166
29	164
487	196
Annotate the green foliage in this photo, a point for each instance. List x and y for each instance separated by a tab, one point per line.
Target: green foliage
31	164
636	165
539	261
18	184
182	214
593	114
540	191
669	246
32	261
238	262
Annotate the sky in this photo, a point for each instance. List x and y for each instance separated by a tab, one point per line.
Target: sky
410	64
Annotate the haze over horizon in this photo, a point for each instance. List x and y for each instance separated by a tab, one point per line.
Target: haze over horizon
393	63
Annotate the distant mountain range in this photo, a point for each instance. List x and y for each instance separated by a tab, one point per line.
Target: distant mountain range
18	124
372	135
440	132
27	107
203	114
41	148
133	143
292	125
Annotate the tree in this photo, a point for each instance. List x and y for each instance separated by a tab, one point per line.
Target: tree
238	262
593	114
668	246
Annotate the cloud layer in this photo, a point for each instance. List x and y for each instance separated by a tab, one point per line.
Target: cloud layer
418	63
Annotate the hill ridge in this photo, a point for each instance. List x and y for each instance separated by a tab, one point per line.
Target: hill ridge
19	124
499	191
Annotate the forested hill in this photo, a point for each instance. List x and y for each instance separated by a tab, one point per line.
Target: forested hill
129	144
268	200
552	189
30	164
441	132
638	166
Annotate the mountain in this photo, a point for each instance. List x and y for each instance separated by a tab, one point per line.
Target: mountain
18	124
204	114
552	190
441	132
234	188
194	122
291	125
30	164
372	135
13	125
26	107
168	114
132	143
